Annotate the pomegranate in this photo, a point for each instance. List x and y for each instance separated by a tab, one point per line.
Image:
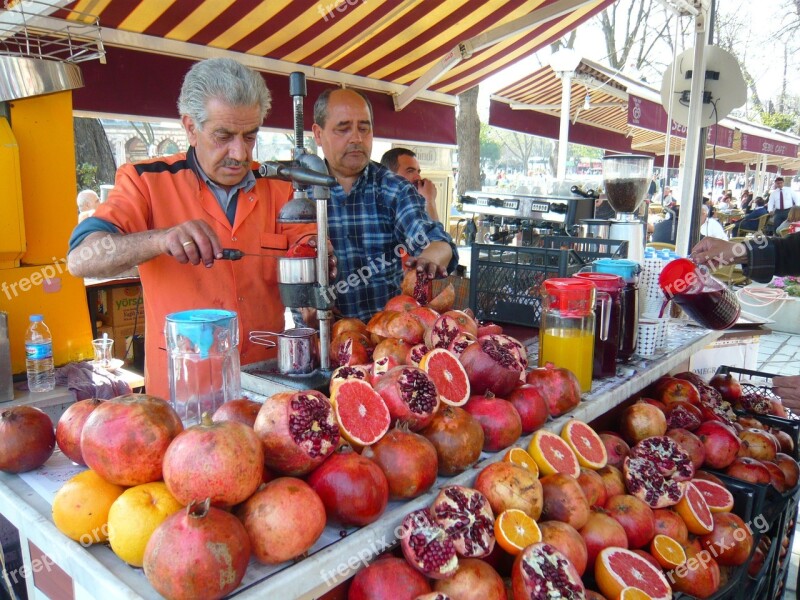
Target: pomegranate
415	354
785	441
124	439
405	327
672	389
641	420
425	315
353	489
655	469
348	324
214	551
427	546
541	571
714	407
709	477
298	430
492	364
720	442
442	333
467	518
410	395
487	327
682	415
559	388
434	596
242	410
669	523
232	447
509	486
27	438
388	578
776	477
593	487
283	520
613	480
408	460
401	303
70	426
692	378
464	320
748	469
757	443
457	437
616	449
346	372
460	343
703	580
444	300
564	500
378	323
394	349
418	285
690	444
349	348
790	468
498	418
382	366
728	387
530	405
474	580
635	517
602	531
566	540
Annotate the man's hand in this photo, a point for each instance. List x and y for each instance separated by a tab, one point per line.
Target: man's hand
433	260
788	388
333	270
191	242
427	189
716	253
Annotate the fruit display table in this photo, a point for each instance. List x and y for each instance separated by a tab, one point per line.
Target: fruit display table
70	570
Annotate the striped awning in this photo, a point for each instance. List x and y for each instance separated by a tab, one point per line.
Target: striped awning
382	45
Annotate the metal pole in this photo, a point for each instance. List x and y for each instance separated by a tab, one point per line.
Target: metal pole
563	131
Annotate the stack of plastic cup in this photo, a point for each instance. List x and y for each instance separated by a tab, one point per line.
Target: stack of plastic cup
647	341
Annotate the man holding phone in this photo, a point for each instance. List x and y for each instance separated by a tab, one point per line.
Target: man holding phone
403	162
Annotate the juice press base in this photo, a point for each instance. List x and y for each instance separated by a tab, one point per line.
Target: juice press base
264	378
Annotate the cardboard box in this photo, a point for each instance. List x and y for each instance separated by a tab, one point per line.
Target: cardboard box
740	351
121	306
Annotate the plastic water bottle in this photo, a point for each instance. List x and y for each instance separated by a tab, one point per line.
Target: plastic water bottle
39	356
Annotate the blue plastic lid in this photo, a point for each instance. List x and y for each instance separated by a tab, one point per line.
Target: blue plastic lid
36	318
625	268
198	326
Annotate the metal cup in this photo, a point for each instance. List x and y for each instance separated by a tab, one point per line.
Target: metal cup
297	270
298	351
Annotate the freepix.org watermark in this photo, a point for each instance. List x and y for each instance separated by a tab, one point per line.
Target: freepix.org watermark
328	10
374	266
48	273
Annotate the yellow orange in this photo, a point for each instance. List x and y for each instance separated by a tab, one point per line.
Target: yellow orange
585	443
667	551
694	511
553	454
632	593
515	530
81	505
134	517
520	458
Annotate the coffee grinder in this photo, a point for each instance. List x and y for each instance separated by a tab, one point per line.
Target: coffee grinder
625	179
302	282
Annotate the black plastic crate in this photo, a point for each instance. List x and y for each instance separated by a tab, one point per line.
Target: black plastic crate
778	572
588	249
505	281
757	586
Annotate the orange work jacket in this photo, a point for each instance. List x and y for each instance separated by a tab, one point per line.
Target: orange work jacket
164	192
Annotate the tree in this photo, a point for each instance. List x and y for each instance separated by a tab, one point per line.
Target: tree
490	147
94	160
468	136
519	145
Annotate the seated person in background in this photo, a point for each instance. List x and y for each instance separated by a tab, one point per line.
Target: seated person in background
725	203
751	220
746	201
88	201
793	217
403	162
602	209
666	231
709	226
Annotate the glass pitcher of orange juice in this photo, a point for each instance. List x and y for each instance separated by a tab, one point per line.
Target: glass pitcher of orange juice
566	330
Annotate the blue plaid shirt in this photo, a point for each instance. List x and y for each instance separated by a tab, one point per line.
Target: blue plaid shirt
382	213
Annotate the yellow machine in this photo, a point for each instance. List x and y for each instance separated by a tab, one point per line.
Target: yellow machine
37	215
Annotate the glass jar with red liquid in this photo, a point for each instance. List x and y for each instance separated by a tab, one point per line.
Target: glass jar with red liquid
702	297
609	320
629	301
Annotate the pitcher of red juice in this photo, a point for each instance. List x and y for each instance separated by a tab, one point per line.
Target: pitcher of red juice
566	331
608	314
702	297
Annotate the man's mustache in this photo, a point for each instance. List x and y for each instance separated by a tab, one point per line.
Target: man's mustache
356	147
229	162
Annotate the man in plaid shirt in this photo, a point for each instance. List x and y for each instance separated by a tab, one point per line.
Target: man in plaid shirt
373	214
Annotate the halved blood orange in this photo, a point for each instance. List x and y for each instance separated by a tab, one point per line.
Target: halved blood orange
618	568
553	455
446	371
515	530
694	511
362	414
668	552
718	498
585	443
344	373
632	593
521	458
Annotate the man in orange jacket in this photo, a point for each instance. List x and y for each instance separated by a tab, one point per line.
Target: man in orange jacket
173	215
